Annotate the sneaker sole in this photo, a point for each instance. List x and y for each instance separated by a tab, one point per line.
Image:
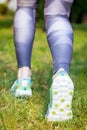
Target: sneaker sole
62	91
23	93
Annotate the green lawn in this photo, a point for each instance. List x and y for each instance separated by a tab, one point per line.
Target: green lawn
29	114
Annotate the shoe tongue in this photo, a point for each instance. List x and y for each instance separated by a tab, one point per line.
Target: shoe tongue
60	72
24	82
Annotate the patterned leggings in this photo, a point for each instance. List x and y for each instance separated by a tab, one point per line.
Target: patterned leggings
58	29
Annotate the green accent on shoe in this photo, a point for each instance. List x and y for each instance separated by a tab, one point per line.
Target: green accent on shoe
50	104
68	106
62	100
18	85
61	109
69	114
56	105
53	113
14	86
55	92
71	93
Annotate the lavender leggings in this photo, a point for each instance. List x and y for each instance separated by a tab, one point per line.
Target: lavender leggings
58	29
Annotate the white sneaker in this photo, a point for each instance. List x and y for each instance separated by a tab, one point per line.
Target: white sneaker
61	94
22	88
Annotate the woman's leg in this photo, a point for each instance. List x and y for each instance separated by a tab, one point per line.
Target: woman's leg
24	30
59	32
60	40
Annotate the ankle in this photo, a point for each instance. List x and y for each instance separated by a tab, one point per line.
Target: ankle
57	72
24	72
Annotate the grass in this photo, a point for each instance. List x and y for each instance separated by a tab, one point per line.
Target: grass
29	114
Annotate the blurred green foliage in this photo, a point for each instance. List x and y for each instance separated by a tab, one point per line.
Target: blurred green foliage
79	9
3	9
